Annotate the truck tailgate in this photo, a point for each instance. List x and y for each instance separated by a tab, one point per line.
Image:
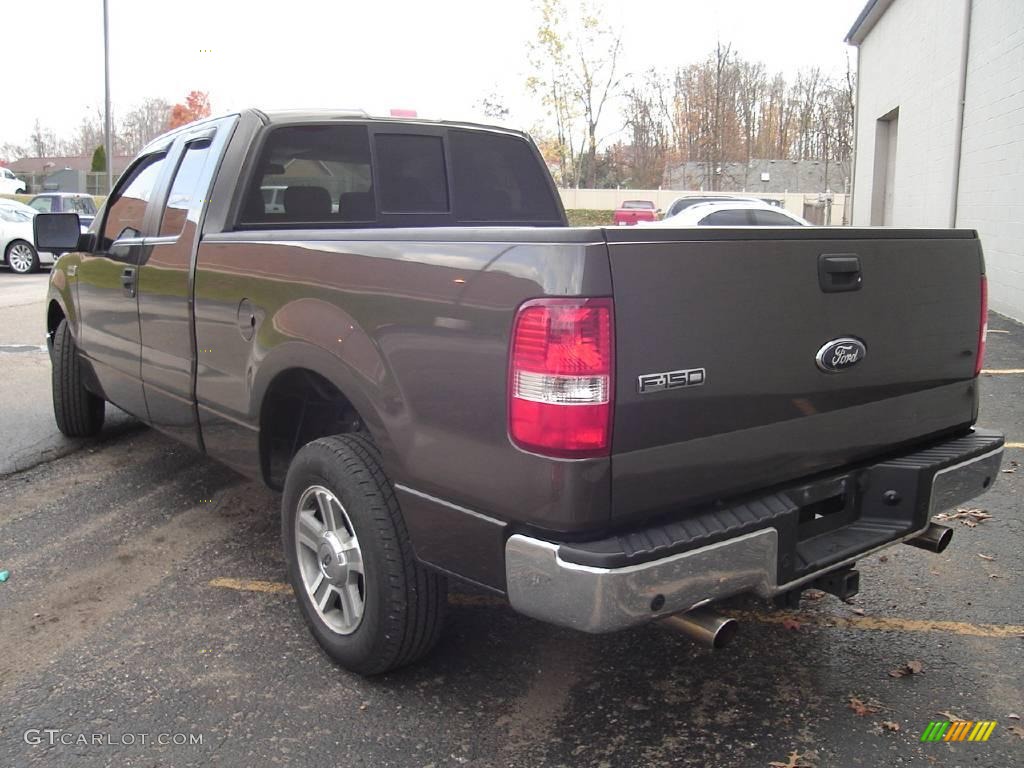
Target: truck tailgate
750	308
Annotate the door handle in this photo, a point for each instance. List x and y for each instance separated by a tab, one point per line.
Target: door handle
128	281
838	272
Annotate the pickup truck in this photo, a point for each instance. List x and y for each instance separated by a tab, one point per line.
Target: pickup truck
606	426
634	211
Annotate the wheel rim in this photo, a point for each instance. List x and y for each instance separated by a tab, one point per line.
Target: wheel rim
20	257
330	560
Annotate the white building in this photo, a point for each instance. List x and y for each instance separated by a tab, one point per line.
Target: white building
940	126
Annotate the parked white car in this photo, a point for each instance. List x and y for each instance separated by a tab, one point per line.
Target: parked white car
10	184
732	214
17	248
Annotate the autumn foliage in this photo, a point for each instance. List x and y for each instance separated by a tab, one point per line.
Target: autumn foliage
196	107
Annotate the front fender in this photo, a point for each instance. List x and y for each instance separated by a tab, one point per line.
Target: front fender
63	291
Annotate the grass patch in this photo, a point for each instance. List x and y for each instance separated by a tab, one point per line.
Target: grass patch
588	217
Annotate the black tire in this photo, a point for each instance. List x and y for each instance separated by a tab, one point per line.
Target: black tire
404	602
33	265
78	412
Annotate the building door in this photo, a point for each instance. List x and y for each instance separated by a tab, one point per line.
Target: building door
884	177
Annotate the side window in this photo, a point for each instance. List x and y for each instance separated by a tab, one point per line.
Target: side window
128	208
308	174
84	205
727	218
185	188
498	178
43	204
410	170
772	219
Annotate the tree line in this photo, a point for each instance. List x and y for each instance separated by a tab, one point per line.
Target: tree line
130	132
603	127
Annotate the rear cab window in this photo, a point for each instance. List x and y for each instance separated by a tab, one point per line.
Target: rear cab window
395	175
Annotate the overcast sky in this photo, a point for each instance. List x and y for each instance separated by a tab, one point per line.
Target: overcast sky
437	57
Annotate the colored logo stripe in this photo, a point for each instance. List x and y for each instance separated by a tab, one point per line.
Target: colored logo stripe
958	730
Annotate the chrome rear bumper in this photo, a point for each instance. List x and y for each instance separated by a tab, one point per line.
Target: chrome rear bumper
543	585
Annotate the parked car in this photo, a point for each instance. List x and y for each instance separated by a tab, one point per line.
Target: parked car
732	214
17	248
66	202
681	203
633	211
608	426
10	184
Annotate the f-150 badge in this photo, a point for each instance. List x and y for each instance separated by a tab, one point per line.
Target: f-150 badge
840	354
656	382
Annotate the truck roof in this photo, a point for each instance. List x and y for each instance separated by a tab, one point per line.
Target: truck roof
314	115
269	117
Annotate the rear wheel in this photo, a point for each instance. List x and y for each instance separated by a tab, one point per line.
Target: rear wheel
22	257
78	412
366	599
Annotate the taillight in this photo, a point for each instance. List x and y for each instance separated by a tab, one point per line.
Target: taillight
982	326
561	377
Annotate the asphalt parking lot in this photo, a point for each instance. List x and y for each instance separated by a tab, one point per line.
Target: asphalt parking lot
145	599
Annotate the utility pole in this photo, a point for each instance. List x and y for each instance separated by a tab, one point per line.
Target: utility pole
106	109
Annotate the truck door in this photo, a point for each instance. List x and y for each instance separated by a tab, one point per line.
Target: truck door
165	283
107	287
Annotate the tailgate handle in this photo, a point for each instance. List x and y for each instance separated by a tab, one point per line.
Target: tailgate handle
839	272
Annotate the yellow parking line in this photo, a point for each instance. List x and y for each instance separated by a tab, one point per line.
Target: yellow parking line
1002	371
252	585
869	623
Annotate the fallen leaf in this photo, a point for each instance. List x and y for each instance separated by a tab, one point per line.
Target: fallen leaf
796	760
1013	716
986	557
1008	471
791	624
1016	730
813	594
948	715
863	708
883	559
968	517
994	576
889	725
910	668
858	611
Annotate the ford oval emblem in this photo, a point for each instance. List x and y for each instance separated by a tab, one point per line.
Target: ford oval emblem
840	354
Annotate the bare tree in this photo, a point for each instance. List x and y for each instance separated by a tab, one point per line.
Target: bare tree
143	124
574	70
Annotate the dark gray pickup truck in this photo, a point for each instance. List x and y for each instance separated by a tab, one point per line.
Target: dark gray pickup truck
390	321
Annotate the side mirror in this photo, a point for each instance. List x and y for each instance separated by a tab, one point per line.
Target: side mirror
56	232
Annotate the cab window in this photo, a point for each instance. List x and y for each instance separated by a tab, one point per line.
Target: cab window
185	188
127	210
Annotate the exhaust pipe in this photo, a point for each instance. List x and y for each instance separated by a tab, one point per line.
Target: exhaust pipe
935	538
704	626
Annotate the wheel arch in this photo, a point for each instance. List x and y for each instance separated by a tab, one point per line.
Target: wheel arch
300	393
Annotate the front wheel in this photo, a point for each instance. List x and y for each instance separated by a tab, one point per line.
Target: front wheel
366	599
22	257
78	412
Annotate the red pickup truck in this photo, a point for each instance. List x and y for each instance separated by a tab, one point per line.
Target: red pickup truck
632	211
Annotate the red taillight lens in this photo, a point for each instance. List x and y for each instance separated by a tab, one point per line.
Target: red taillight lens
982	326
561	377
